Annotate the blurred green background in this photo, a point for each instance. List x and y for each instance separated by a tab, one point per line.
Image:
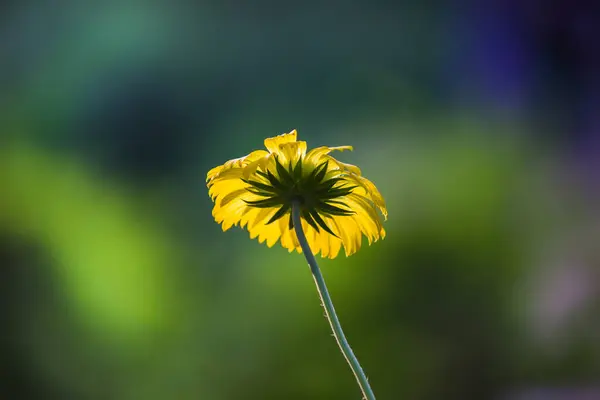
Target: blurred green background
478	122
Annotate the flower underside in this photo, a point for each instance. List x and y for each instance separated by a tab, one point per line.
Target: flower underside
338	205
313	193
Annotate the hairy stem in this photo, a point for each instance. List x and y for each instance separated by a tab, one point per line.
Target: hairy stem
338	333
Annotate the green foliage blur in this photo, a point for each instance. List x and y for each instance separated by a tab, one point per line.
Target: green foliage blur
116	283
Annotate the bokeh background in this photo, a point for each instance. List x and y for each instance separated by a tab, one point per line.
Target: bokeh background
478	121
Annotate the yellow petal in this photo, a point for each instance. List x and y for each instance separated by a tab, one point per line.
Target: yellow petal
347	231
374	194
292	152
236	163
318	152
345	167
273	143
363	206
314	156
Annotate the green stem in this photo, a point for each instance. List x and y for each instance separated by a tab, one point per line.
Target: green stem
361	378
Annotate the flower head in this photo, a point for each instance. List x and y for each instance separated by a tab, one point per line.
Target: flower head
337	204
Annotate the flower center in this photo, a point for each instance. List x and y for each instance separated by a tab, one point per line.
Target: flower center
316	192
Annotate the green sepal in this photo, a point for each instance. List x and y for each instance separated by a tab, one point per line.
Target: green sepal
322	223
297	173
259	192
259	185
328	184
278	186
338	192
306	215
333	210
280	213
283	173
320	171
264	203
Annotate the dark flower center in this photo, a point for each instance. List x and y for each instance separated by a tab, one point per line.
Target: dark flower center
313	192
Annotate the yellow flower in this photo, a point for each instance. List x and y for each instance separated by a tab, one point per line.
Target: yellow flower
337	204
